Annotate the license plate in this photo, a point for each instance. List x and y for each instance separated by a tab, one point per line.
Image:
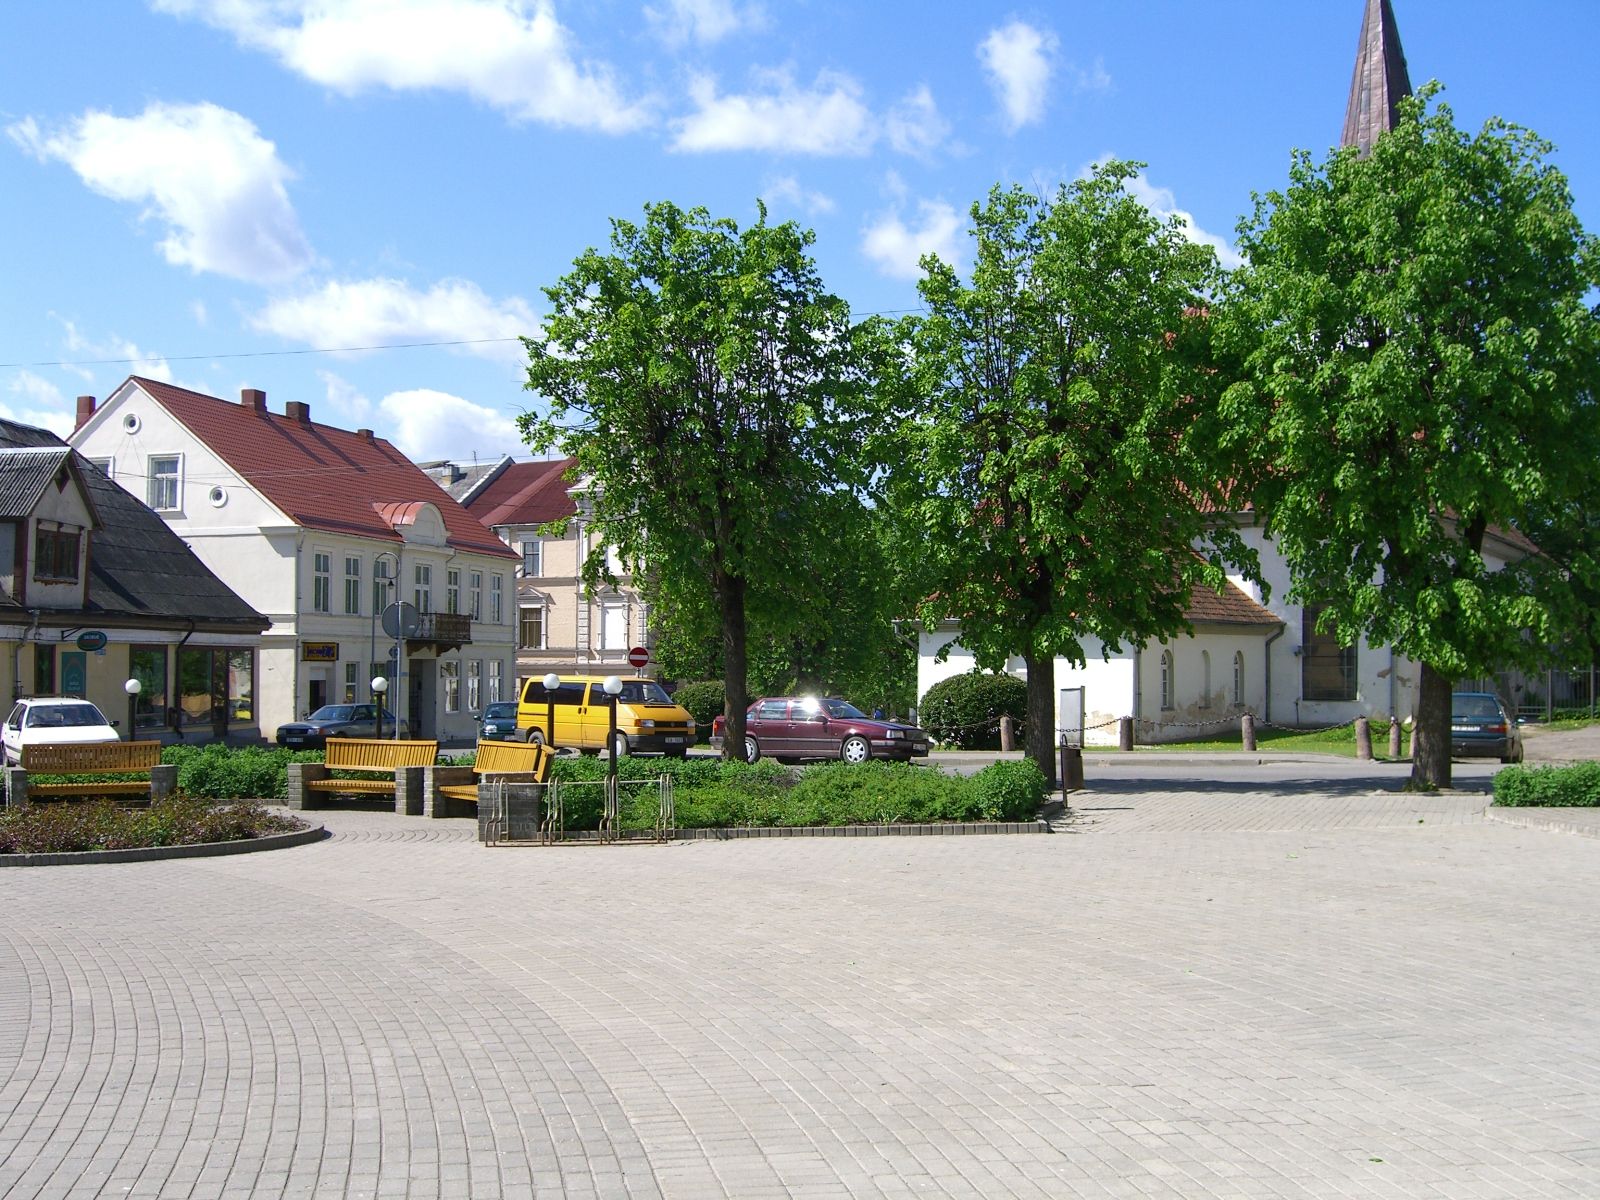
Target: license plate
673	741
294	741
1461	729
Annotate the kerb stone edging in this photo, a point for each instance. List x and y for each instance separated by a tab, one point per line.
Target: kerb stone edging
273	841
953	829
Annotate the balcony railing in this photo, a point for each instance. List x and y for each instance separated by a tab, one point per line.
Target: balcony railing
445	630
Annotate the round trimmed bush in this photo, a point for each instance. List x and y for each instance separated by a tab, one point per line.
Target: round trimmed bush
704	701
964	711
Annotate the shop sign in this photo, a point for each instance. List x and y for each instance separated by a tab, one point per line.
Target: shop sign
319	651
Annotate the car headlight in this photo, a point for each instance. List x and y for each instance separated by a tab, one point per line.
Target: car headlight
647	723
894	733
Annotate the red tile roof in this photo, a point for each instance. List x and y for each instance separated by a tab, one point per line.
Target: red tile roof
1229	607
320	476
526	494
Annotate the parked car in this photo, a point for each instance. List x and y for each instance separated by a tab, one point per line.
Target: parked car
648	720
789	728
335	720
499	722
53	720
1480	727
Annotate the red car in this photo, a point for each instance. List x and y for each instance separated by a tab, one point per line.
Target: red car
794	727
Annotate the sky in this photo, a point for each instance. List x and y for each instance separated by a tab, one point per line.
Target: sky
300	195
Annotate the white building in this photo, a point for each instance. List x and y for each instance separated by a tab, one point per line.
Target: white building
320	529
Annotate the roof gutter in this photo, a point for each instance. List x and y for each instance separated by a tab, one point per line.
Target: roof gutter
1266	715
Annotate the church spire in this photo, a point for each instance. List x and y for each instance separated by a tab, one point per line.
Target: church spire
1380	81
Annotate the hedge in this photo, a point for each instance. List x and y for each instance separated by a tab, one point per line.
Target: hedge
964	711
705	702
1577	786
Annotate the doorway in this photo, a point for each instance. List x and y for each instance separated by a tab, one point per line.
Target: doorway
422	675
317	692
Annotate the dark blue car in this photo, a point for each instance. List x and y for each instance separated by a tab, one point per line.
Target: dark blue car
499	722
1480	727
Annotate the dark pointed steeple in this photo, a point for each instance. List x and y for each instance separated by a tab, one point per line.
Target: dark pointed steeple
1381	80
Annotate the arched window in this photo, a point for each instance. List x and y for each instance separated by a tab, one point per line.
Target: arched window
1168	688
1205	679
1238	679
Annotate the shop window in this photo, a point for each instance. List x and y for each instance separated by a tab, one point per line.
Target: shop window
148	664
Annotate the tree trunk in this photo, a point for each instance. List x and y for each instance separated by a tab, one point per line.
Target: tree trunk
1042	713
735	664
1430	740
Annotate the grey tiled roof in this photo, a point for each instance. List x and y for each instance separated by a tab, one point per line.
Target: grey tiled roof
24	475
138	568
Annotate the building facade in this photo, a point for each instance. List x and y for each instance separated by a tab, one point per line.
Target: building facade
327	532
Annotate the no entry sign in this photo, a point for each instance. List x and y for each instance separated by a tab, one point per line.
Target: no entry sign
638	656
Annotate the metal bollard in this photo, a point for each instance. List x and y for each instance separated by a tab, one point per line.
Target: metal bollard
1247	731
1363	739
1125	733
1394	738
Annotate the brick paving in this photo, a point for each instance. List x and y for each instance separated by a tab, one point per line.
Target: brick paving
1230	992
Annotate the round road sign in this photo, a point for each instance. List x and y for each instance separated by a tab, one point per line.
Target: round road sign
638	656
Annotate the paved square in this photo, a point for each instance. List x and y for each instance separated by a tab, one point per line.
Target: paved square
1239	994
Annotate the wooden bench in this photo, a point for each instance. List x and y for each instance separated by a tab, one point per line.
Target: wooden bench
384	764
447	790
99	758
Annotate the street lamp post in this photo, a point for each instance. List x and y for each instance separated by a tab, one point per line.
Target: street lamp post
133	687
380	685
552	682
612	686
377	605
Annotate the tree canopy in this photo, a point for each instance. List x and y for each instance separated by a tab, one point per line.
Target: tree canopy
1055	465
1418	373
708	387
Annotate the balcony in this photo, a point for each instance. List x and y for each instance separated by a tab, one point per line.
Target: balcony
441	632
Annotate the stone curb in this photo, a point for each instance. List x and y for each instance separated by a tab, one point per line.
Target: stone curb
274	841
1540	819
740	832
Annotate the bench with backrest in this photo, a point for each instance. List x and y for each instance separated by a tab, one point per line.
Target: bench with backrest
388	768
448	791
99	758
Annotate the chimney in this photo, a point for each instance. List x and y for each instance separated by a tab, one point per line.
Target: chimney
254	399
85	411
298	410
364	434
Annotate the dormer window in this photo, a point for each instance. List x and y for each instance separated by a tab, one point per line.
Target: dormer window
55	554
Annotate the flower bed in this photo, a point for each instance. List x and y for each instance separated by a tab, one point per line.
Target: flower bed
67	826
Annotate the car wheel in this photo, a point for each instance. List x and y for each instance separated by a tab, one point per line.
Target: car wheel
855	750
620	745
535	737
752	750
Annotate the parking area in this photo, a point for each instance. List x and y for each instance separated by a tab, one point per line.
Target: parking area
1259	987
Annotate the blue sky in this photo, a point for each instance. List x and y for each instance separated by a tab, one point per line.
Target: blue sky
214	187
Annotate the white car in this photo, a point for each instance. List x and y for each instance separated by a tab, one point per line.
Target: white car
54	720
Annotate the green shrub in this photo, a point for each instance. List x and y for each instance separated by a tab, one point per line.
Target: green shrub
1009	791
218	772
1577	786
64	827
965	710
705	702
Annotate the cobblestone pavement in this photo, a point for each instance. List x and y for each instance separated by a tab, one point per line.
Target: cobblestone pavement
1221	993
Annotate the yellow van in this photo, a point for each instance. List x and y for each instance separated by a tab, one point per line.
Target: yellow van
648	722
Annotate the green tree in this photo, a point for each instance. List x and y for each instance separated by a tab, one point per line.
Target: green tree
1055	465
708	385
1418	371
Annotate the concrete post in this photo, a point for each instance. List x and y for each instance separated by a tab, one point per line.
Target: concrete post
1247	732
163	781
1008	732
1125	733
1363	739
1394	738
300	774
16	787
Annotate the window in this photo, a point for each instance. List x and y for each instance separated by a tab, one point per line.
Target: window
382	581
532	559
474	685
422	591
1205	679
450	679
44	670
530	628
614	627
497	599
55	554
106	467
148	664
203	678
352	584
321	582
1238	679
352	680
452	590
475	594
164	470
1327	669
1167	681
496	679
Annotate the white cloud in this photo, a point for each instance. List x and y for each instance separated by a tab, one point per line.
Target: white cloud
787	190
39	403
896	248
201	171
1019	60
113	351
825	119
512	55
426	424
379	312
914	125
704	21
1164	204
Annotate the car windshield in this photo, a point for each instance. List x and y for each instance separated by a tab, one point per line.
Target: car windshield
337	712
499	712
842	709
1482	707
643	691
57	716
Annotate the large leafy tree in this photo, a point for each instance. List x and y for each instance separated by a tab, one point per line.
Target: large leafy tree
707	384
1055	466
1419	370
